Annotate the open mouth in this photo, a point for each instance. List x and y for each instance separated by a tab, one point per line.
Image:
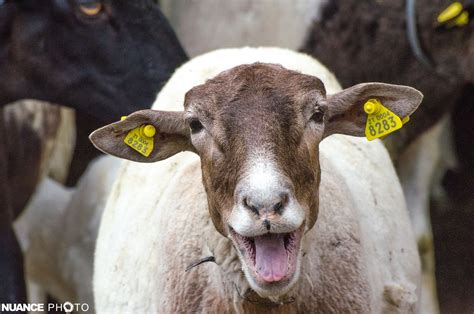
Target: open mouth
272	256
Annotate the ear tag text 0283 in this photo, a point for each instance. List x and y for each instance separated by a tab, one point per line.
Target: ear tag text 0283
141	139
380	120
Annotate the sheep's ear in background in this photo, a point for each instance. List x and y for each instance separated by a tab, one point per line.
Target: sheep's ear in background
346	113
169	134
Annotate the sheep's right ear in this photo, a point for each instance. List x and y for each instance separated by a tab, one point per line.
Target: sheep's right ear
171	136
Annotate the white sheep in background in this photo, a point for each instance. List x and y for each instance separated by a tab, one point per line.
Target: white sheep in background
207	25
58	230
360	255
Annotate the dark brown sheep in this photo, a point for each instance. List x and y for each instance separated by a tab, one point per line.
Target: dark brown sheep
103	58
367	40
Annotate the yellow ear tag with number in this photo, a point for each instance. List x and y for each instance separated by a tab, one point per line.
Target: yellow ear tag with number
380	120
141	139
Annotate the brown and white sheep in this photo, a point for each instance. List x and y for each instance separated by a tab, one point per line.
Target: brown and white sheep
372	45
313	226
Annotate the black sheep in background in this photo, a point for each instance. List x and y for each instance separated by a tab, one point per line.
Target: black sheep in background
452	221
104	58
366	40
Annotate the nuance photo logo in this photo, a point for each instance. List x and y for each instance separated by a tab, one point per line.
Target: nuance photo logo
67	307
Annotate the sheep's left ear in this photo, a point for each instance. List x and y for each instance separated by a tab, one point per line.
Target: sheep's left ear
171	135
346	113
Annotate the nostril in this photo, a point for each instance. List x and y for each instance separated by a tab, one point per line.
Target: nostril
269	203
250	206
278	207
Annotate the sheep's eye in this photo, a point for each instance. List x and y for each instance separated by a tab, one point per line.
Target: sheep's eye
195	126
318	116
91	8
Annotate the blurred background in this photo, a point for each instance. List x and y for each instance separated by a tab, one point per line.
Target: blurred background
80	56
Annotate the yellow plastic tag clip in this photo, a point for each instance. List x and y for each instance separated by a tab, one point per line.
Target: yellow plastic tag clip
380	120
406	120
462	19
141	139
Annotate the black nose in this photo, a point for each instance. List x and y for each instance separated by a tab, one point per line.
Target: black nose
266	204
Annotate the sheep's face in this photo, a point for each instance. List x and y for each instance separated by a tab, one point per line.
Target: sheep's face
257	129
104	57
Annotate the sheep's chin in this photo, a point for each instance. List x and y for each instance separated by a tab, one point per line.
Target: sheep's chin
279	283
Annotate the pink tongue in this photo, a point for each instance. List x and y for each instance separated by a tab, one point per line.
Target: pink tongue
271	257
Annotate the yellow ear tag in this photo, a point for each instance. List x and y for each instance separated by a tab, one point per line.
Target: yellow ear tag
462	19
380	120
450	12
141	139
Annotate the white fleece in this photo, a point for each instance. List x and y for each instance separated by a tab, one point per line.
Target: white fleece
58	230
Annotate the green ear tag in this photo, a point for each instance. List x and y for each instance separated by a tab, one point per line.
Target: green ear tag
141	139
380	120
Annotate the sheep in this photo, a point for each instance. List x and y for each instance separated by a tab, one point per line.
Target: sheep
260	173
99	77
371	43
40	143
369	28
204	25
81	55
62	266
452	217
374	46
47	135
